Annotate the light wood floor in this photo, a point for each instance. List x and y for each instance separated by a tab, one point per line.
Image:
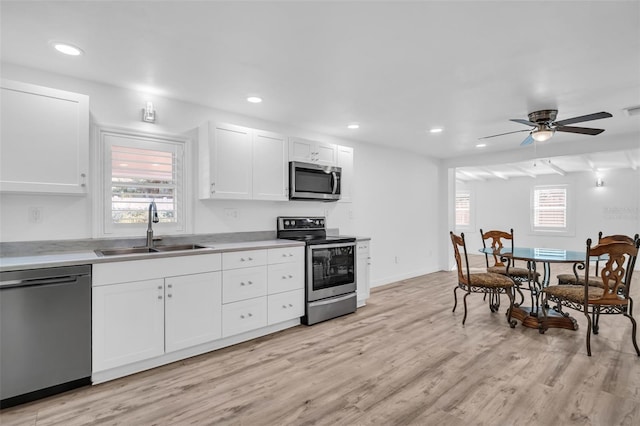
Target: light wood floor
403	359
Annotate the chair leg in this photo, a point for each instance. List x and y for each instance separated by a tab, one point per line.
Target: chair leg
464	300
455	298
543	325
510	293
596	319
633	326
586	314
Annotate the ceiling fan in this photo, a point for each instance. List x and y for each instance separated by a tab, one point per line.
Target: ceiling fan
544	125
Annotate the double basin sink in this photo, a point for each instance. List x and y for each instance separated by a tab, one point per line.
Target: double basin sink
156	249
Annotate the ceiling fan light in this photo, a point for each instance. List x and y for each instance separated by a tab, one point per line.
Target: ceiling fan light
542	135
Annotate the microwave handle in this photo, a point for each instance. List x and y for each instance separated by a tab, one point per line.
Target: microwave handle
334	182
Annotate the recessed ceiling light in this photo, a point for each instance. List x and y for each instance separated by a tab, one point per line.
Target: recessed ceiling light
254	99
481	145
353	126
67	49
436	130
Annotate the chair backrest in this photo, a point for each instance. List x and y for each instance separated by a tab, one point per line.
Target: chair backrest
458	241
618	268
498	240
613	238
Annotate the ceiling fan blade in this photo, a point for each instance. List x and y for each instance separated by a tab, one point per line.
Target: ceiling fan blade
525	122
581	130
527	141
589	117
502	134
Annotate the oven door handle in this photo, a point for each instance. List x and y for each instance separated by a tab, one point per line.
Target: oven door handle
330	246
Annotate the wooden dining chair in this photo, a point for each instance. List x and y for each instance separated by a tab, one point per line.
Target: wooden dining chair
613	298
498	240
594	280
485	282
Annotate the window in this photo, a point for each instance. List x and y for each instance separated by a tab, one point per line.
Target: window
463	209
550	209
139	169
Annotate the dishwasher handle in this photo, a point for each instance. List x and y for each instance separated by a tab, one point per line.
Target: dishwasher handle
40	281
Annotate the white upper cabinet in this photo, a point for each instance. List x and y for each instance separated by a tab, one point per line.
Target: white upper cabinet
241	163
270	178
345	162
308	151
225	161
45	140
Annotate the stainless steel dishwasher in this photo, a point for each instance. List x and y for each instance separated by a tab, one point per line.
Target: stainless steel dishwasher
45	332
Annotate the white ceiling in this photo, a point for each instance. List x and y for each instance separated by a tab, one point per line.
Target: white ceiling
397	68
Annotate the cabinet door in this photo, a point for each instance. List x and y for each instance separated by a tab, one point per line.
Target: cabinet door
45	140
193	310
230	162
270	167
128	323
363	262
345	161
301	150
326	154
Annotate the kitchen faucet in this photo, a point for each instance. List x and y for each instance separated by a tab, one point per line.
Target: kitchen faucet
153	218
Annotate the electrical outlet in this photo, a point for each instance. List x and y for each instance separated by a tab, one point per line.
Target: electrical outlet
35	214
231	213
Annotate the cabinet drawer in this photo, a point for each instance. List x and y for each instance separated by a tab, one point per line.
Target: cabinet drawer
286	254
244	259
362	248
285	306
242	316
245	283
286	277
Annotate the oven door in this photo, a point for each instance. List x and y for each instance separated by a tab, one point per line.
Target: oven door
330	270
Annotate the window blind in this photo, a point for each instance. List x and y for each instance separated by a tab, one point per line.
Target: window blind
550	208
463	209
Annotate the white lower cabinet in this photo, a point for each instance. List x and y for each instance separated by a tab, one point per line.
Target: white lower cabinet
285	306
192	310
363	264
158	310
128	323
243	316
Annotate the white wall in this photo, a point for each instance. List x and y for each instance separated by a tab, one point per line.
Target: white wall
393	190
612	209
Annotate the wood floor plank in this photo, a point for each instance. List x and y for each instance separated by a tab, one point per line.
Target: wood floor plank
404	359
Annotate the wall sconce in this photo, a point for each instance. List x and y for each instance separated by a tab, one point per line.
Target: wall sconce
148	114
599	182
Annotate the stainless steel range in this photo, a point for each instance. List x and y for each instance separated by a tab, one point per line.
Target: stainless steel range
330	268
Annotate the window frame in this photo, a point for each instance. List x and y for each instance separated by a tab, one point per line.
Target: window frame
104	227
569	228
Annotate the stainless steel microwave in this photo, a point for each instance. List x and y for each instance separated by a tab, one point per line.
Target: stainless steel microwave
314	182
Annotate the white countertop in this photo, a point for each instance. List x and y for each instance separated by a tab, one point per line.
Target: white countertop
53	260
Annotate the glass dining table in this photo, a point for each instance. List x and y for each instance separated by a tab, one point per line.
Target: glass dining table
531	315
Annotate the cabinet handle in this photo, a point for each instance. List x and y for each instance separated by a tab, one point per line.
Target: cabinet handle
290	276
169	295
242	259
284	277
250	314
250	282
242	316
242	283
284	306
284	254
213	187
159	287
160	297
250	259
170	286
290	305
84	179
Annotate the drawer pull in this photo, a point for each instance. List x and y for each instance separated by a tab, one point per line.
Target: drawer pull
250	314
284	306
242	316
242	283
169	295
284	277
290	254
159	287
160	297
249	282
290	276
290	305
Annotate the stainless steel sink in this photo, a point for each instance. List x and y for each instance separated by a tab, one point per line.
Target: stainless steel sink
179	247
125	250
142	250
